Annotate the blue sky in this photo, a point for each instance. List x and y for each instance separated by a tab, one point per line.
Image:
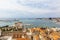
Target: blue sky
29	8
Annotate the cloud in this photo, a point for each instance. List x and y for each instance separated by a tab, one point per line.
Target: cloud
16	14
15	6
29	8
50	4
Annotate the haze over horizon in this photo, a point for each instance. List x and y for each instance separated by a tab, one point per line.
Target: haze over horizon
29	8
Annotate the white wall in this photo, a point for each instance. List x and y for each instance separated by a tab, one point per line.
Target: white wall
0	32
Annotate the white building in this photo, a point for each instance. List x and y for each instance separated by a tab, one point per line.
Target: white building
0	32
55	29
18	25
6	38
29	34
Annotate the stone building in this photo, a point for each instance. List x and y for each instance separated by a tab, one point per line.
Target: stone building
18	25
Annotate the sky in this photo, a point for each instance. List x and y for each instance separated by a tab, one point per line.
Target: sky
29	8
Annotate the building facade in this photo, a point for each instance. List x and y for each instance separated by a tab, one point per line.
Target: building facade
0	32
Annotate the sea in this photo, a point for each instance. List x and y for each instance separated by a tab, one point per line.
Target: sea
32	21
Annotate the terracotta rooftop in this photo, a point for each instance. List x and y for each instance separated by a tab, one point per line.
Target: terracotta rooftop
22	39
